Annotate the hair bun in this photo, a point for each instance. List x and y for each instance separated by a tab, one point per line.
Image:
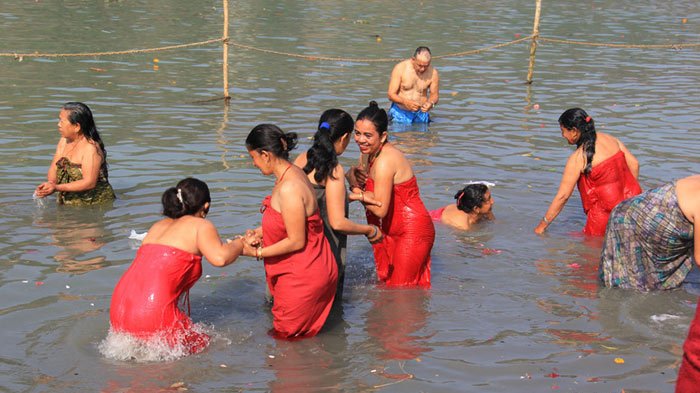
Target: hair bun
373	104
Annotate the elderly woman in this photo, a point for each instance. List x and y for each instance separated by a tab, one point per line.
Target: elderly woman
78	172
605	171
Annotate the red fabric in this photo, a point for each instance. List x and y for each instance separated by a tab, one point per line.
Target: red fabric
436	215
403	256
302	283
144	302
689	373
609	183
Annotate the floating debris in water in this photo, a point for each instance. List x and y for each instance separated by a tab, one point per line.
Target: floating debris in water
619	360
663	317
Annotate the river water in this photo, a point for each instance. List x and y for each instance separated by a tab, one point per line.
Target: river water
507	311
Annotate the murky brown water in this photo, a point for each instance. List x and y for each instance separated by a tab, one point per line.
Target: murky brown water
529	319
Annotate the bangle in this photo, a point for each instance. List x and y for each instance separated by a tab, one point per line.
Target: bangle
546	221
376	230
362	196
258	253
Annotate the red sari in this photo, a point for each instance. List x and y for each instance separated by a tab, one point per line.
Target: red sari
609	183
144	302
689	373
302	283
403	256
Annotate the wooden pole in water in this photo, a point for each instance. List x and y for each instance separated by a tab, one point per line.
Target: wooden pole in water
227	96
533	44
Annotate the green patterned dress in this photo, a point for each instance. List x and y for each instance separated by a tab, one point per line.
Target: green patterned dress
67	172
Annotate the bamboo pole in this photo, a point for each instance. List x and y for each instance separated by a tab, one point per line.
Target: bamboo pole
227	96
533	44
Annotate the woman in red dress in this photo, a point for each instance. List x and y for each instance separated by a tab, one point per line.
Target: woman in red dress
300	267
403	256
168	263
606	173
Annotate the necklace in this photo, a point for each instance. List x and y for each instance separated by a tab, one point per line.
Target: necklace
283	173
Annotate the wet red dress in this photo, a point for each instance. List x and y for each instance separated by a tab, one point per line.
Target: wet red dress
403	256
689	373
302	283
144	302
609	183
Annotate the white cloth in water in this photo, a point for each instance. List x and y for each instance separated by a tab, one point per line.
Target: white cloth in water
137	236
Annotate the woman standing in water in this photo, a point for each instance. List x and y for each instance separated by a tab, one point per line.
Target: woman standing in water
167	265
300	268
652	238
78	171
403	256
474	204
605	171
320	163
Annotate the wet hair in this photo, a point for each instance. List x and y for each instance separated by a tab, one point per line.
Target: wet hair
321	157
471	197
79	113
421	50
578	118
376	115
187	197
272	139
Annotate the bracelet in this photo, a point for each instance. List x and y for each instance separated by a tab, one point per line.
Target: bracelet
376	231
546	221
258	253
362	196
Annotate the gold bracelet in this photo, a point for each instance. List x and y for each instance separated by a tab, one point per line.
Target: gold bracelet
362	196
258	253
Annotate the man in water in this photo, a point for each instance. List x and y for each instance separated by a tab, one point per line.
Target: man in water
413	89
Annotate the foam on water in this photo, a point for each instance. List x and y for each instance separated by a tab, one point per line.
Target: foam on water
157	348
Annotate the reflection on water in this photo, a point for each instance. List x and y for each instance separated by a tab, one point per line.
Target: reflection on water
77	233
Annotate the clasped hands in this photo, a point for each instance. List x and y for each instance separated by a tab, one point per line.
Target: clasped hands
252	240
357	177
45	189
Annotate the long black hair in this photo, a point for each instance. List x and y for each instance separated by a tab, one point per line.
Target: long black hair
376	115
79	113
471	197
187	197
272	139
578	118
321	156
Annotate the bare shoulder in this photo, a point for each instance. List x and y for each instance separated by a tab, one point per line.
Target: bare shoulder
301	160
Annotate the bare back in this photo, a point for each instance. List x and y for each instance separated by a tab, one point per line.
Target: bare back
179	233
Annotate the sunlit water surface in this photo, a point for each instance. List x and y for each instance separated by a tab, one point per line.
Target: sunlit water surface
507	311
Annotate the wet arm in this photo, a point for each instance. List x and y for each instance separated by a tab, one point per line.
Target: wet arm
395	85
572	171
294	217
335	204
217	253
383	187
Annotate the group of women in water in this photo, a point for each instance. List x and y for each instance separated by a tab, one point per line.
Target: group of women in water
649	236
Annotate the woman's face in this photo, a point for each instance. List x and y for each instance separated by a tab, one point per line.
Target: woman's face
570	134
261	160
367	137
65	127
487	204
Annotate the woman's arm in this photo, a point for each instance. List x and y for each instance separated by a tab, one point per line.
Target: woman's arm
632	162
294	217
51	175
383	188
572	171
217	253
335	204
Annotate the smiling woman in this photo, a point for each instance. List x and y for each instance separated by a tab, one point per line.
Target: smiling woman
402	258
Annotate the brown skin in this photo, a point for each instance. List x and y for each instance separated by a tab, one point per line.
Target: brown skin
457	218
414	84
605	147
688	194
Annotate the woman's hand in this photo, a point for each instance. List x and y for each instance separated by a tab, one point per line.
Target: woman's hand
376	235
365	198
356	176
45	189
540	228
252	238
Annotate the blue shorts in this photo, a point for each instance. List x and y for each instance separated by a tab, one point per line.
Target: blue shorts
398	115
